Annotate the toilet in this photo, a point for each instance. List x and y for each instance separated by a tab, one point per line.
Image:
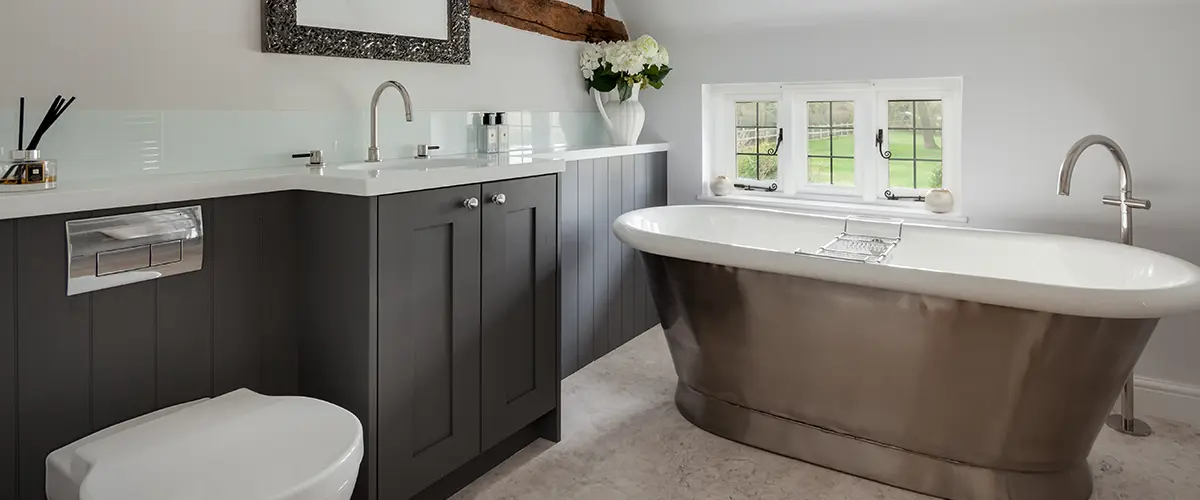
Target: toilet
239	446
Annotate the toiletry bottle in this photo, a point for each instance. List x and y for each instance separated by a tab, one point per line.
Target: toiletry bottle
491	134
502	133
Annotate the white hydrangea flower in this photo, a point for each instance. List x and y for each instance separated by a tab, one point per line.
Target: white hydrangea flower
626	57
648	46
663	58
590	58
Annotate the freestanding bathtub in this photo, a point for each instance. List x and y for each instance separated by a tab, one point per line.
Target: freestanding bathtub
968	364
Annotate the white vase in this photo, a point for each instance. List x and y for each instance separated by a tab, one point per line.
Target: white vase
939	201
623	119
721	186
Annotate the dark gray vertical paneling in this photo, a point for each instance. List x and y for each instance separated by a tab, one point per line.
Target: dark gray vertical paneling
280	299
53	351
614	301
184	361
586	326
123	338
600	281
657	198
569	202
123	351
236	230
641	289
8	363
628	282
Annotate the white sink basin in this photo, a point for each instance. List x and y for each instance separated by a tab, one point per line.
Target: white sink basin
416	164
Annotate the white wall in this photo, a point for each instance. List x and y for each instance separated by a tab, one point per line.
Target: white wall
205	55
1033	85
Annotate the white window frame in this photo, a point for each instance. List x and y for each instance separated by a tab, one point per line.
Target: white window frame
870	114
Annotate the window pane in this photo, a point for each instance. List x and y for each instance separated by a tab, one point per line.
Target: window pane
900	143
747	166
746	114
842	114
768	168
900	173
929	174
818	171
929	144
768	114
819	142
768	140
818	114
900	114
929	114
843	142
747	140
843	171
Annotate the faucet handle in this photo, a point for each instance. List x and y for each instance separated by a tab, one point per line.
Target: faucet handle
1130	202
315	157
423	150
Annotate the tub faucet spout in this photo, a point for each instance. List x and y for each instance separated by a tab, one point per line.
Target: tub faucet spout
1126	422
373	152
1124	200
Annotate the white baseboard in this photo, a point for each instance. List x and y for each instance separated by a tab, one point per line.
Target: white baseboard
1169	400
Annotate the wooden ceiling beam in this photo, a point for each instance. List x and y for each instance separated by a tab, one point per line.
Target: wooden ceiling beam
552	18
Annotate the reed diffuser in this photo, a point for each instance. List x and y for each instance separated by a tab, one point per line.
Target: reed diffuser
28	171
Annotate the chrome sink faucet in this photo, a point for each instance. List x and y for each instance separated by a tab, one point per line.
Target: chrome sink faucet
1126	422
373	152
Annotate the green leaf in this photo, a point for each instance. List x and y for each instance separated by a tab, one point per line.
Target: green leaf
605	82
626	90
656	84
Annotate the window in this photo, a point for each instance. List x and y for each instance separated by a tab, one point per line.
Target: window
757	129
882	142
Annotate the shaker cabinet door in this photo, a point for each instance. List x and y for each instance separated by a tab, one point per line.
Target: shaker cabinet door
520	304
429	337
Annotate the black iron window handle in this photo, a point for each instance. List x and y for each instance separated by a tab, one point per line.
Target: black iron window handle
891	196
887	155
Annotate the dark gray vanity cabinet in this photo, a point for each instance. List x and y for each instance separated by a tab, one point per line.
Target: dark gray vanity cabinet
429	337
520	301
433	316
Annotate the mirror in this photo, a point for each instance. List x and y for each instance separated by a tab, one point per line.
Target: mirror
411	30
419	18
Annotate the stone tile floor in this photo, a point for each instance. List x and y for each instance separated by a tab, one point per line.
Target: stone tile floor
623	438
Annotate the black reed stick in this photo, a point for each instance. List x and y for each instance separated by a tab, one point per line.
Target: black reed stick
56	110
21	128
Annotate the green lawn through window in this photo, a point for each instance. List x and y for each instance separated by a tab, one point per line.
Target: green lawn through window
900	167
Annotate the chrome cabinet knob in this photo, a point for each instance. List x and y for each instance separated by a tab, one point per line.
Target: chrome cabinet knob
499	199
471	203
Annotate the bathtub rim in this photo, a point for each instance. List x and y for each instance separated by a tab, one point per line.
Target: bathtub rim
1053	298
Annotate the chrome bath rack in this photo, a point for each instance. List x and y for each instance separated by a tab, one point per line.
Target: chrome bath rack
869	241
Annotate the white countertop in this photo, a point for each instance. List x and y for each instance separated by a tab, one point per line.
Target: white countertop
77	196
97	194
574	153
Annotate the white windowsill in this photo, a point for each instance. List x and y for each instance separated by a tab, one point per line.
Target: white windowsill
916	213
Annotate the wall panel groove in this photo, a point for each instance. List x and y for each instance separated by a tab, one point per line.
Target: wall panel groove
605	299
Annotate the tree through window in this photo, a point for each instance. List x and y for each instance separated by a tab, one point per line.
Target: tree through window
915	140
757	128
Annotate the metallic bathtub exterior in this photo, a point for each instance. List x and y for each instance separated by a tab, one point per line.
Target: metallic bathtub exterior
950	398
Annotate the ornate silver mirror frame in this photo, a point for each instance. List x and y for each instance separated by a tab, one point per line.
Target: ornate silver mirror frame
282	35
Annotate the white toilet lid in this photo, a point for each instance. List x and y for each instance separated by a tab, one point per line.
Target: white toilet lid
238	446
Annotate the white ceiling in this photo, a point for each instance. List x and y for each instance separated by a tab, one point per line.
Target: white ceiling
700	16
